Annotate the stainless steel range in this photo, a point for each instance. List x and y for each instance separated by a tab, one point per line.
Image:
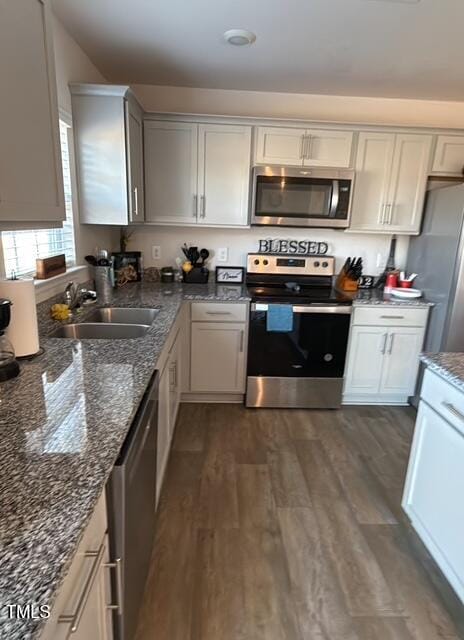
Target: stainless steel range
299	329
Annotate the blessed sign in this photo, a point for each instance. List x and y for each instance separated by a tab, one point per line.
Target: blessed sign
293	247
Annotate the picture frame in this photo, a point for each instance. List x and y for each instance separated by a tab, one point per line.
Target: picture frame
230	275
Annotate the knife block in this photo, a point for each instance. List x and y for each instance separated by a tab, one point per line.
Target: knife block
344	283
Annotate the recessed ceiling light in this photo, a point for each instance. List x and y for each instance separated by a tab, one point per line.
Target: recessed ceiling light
239	37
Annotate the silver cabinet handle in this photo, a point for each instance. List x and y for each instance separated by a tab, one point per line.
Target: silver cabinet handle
173	376
393	317
242	338
382	214
390	213
135	210
452	409
390	346
118	566
203	206
308	147
218	313
384	345
74	619
388	208
195	206
302	145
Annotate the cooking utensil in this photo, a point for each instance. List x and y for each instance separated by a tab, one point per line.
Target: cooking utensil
91	260
194	255
204	255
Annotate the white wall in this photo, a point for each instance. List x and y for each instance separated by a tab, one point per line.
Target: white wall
348	109
73	65
243	241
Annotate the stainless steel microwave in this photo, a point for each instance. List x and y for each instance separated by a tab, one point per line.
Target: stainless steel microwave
301	197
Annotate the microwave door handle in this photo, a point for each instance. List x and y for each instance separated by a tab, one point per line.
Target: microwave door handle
335	199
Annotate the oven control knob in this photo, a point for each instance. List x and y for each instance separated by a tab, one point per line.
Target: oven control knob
317	264
256	261
265	262
325	265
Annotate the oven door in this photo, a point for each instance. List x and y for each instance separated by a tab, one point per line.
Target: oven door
302	367
293	198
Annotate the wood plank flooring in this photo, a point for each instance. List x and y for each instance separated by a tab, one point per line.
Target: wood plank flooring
287	525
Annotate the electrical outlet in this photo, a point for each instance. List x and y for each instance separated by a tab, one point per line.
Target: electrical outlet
381	260
223	254
156	252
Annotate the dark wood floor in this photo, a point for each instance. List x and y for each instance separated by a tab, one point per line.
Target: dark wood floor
286	525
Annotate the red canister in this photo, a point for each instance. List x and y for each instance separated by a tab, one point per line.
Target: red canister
392	281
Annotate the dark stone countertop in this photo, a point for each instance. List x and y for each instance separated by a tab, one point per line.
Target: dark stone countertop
62	422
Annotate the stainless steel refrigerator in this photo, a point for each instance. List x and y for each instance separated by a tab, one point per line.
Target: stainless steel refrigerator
437	256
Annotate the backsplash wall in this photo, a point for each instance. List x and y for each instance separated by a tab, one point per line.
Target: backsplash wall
239	242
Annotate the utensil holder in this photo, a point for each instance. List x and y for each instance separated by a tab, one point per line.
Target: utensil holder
104	283
198	275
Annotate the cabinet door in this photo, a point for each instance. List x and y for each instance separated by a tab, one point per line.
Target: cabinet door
279	145
401	362
434	489
217	363
373	169
171	172
31	182
410	169
135	155
449	155
325	148
223	174
164	428
365	360
96	620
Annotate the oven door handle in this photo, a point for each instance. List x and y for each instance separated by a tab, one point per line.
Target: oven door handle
335	199
316	308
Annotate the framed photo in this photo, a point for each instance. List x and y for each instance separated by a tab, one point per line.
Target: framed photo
230	275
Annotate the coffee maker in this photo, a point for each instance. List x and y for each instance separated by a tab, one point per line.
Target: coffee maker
9	367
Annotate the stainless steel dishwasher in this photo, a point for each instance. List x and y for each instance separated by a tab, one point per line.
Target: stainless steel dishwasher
131	494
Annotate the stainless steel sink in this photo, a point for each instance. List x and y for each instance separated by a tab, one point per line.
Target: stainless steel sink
123	315
100	331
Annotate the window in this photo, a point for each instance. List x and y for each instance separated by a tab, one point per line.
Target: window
21	248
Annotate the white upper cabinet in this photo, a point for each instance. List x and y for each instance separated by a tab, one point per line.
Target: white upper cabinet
373	168
134	145
171	170
223	174
278	145
107	137
31	183
390	182
324	148
197	174
449	156
303	147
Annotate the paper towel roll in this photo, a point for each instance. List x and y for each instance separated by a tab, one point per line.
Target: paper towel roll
22	330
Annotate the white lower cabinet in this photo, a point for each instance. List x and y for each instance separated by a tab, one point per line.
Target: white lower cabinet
217	357
168	405
383	359
83	608
435	480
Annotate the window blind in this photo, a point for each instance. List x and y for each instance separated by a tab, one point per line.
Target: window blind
22	248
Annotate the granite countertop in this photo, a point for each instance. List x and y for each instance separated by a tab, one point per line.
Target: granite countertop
366	297
450	366
63	421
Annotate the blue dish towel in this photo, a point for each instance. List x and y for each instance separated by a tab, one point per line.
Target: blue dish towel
279	317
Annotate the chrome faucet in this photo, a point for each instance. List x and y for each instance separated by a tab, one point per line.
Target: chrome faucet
73	295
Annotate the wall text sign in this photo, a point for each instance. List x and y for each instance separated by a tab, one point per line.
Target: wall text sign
293	247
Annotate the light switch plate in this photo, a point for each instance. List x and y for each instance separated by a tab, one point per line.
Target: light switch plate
223	254
156	252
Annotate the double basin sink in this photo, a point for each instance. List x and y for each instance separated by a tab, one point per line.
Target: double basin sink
109	324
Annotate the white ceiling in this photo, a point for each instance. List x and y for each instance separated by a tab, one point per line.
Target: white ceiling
345	47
